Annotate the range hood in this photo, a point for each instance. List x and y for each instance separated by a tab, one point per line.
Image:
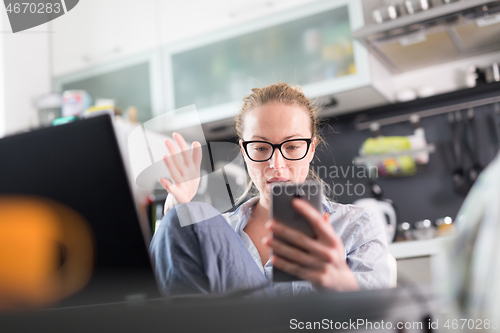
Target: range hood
440	34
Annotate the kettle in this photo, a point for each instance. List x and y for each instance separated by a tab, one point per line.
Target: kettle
382	211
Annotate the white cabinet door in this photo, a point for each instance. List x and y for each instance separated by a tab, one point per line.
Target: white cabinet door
309	45
184	19
97	31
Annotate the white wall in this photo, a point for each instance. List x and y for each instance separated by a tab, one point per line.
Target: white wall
24	75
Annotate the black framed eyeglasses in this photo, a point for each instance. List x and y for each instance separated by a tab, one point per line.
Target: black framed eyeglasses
261	151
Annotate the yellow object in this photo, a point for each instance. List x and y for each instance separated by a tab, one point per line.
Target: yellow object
385	144
99	108
397	165
46	252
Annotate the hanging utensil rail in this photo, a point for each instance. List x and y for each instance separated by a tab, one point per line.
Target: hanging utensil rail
428	113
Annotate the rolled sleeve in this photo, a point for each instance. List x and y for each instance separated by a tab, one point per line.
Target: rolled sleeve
366	246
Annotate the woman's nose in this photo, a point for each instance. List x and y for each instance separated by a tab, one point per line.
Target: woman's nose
277	161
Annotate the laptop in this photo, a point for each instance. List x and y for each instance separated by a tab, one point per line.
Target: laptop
79	165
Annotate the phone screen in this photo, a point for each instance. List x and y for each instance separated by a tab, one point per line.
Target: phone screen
283	212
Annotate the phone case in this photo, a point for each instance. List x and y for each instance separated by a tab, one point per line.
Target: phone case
282	211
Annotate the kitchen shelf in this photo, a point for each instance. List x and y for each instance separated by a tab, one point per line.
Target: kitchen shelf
420	248
362	160
363	118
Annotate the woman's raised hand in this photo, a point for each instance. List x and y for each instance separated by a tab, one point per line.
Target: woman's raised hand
184	168
320	261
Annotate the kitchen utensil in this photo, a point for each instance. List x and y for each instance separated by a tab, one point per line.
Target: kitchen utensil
472	145
459	180
494	126
415	6
386	13
384	212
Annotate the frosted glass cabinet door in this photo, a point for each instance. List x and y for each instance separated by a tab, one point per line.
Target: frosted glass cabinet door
309	46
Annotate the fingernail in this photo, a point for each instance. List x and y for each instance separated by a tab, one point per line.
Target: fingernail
268	224
174	134
264	240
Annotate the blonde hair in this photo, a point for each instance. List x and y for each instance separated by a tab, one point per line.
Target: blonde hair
280	92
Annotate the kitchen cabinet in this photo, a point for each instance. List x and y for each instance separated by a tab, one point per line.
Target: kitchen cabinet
419	248
131	81
186	19
309	45
100	31
305	44
418	261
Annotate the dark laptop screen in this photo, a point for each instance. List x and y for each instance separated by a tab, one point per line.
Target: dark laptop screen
79	165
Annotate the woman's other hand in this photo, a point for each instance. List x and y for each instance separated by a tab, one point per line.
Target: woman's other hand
320	261
184	169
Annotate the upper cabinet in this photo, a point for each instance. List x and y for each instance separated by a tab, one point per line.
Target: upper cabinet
100	31
310	45
211	54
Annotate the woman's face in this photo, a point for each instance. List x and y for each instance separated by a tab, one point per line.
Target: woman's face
275	123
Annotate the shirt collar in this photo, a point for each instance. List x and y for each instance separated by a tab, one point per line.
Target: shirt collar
243	208
327	207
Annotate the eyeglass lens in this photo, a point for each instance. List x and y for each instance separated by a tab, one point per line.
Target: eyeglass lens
293	150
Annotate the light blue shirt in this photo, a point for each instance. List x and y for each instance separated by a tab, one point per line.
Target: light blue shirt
366	250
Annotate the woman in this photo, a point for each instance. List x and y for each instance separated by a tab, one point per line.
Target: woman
233	251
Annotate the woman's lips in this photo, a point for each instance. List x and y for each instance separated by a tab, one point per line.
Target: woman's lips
275	180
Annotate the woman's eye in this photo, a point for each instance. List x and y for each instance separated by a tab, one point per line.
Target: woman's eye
292	147
260	148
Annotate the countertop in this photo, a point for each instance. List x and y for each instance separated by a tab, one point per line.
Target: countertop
420	248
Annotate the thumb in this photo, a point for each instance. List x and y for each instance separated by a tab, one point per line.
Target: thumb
197	154
326	217
165	183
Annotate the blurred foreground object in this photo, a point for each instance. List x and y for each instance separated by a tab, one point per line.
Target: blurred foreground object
49	108
74	102
472	264
46	252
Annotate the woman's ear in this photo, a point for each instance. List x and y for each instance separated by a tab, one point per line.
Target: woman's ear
313	144
241	147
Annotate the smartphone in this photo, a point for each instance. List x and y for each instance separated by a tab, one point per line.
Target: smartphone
282	211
